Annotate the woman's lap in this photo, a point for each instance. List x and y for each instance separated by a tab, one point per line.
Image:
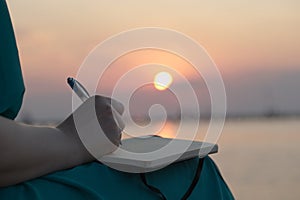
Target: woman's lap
97	181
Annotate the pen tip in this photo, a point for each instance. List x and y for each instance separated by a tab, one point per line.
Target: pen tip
70	81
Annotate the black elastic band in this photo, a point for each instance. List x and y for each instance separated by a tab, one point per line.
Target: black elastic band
154	189
188	192
195	180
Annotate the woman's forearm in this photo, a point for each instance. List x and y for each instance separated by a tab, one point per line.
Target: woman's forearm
27	152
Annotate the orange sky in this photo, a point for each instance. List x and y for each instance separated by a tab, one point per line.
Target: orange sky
54	36
236	33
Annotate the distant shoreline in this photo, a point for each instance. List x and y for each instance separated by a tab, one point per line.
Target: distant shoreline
203	117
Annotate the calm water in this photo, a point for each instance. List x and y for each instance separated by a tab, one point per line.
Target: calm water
259	159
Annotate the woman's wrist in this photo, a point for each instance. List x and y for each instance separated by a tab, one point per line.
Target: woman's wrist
77	151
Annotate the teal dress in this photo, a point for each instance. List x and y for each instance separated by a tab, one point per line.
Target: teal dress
11	82
95	180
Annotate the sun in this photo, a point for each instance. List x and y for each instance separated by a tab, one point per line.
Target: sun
162	80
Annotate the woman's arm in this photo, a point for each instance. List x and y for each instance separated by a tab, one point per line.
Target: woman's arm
27	152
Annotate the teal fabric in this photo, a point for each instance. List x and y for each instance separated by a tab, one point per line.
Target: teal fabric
11	82
94	180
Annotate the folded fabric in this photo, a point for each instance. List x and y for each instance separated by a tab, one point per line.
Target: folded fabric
11	82
96	181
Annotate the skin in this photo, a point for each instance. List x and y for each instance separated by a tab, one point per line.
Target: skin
28	152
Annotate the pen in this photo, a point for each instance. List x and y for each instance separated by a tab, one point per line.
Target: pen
81	92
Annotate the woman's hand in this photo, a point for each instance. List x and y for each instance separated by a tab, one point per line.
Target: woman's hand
98	123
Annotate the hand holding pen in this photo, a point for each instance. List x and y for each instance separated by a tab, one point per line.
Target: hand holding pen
113	112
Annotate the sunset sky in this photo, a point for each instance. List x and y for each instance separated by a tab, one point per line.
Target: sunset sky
255	45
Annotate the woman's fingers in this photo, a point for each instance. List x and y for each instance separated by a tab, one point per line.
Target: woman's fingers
109	116
112	125
107	106
118	119
118	106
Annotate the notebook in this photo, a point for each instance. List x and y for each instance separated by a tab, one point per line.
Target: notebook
153	153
